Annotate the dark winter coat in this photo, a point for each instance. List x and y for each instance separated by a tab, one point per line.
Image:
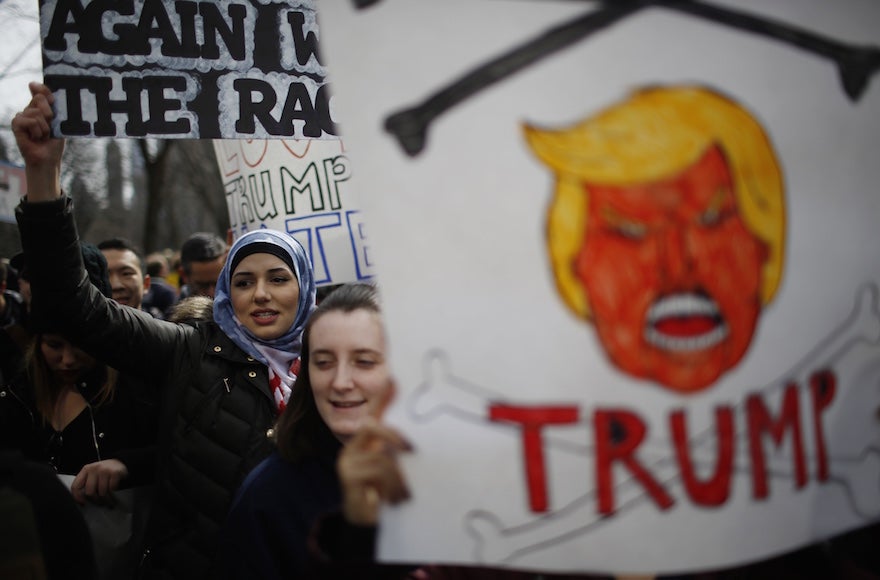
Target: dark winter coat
266	535
217	410
123	428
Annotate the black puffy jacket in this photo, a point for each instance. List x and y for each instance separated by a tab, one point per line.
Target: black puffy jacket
216	408
124	427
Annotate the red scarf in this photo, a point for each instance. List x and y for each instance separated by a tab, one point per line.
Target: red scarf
280	391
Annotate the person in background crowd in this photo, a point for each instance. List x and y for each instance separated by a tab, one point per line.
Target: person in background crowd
160	296
12	307
324	291
15	336
65	409
174	269
202	256
11	357
22	286
43	534
126	271
225	381
70	411
157	265
11	274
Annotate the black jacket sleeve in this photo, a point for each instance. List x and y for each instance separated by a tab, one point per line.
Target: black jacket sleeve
124	338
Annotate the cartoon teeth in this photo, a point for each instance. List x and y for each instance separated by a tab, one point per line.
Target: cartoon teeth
685	322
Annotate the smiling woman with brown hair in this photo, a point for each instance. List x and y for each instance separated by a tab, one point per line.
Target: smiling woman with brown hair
345	380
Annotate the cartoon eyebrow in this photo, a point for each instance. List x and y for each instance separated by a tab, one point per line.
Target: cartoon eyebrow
624	225
856	64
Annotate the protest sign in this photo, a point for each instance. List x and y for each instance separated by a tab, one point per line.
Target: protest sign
628	253
301	187
117	531
180	68
13	186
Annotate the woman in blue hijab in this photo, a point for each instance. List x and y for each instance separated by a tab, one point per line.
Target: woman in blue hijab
263	299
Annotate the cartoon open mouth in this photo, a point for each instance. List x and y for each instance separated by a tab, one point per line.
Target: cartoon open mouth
685	322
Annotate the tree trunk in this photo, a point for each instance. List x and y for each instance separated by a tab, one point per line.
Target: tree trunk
156	177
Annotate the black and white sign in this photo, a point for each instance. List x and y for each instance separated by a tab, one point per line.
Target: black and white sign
232	69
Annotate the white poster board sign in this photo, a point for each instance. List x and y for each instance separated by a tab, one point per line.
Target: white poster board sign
117	532
630	267
303	188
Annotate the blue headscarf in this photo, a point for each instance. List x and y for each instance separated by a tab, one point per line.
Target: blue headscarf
290	343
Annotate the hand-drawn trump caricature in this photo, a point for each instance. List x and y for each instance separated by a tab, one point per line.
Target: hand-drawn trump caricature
666	230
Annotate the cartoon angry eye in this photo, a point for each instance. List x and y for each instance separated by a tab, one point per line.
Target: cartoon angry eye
716	212
710	217
630	230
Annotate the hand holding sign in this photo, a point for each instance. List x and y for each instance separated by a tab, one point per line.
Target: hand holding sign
97	481
369	472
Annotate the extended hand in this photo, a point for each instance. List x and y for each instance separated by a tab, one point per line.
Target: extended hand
370	474
41	152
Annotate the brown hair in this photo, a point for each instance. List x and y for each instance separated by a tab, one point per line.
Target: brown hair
46	388
300	429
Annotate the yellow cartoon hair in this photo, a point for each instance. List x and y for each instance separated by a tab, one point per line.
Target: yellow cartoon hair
653	135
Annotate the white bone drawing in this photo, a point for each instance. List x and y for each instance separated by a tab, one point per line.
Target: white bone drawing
856	472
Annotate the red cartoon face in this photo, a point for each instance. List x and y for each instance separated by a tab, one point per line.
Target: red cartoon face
672	275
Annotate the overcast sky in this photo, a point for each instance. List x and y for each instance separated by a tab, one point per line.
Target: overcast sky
19	55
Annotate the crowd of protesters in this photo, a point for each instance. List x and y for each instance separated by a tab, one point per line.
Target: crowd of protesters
252	413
